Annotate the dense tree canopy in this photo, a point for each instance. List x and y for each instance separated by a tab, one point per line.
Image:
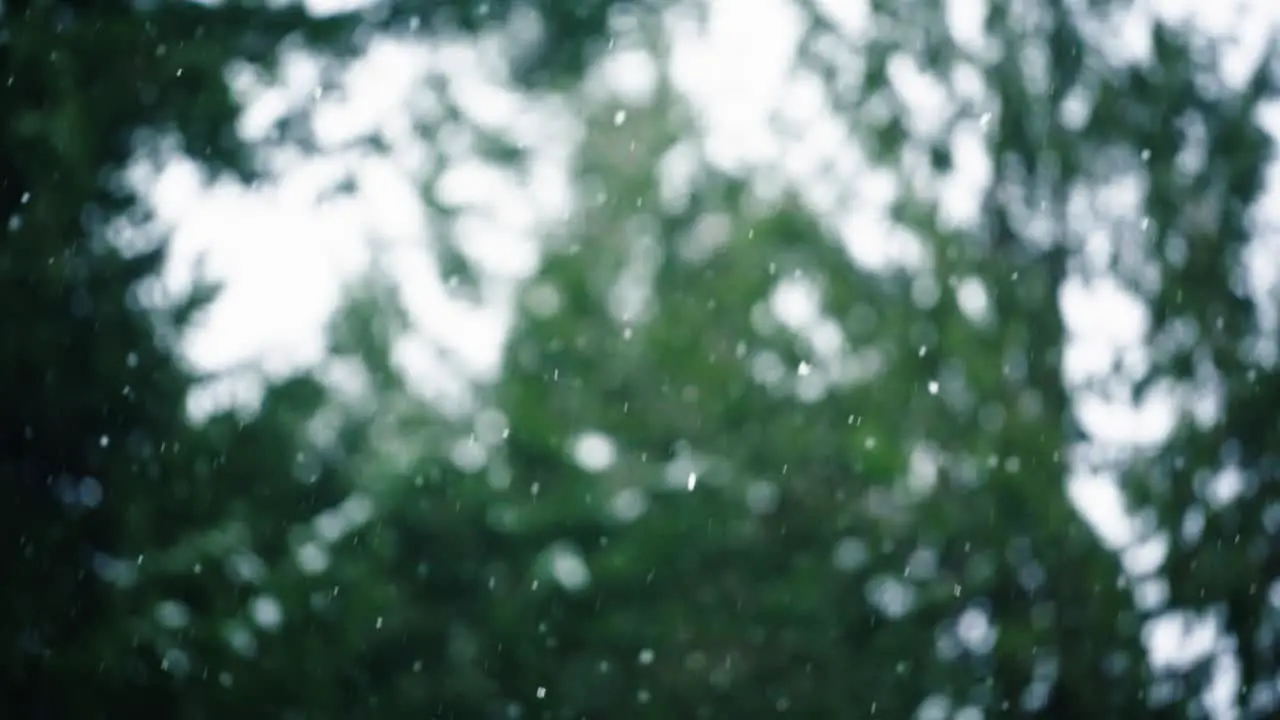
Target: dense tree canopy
731	466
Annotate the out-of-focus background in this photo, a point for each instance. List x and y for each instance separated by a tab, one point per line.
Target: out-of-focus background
639	359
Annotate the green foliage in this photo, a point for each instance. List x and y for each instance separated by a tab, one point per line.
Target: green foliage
677	500
841	513
95	394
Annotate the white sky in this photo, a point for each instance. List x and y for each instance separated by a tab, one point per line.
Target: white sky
285	259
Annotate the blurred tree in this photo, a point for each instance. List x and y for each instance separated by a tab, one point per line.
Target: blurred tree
728	470
95	442
748	461
1208	493
1152	152
857	506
